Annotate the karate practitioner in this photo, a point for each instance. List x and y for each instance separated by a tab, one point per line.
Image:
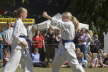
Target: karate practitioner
66	51
20	50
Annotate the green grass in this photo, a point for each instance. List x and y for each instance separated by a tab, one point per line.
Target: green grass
48	69
65	70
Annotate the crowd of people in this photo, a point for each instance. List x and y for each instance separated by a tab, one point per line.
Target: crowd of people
44	46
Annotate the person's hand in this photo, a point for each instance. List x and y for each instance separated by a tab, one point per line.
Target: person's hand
23	44
45	15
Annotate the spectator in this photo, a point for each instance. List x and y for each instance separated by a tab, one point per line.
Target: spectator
90	59
80	57
95	44
36	59
1	46
7	38
88	40
50	44
38	42
105	61
5	57
83	42
98	60
77	35
57	38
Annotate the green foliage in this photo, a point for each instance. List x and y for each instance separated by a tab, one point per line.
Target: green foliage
5	16
92	12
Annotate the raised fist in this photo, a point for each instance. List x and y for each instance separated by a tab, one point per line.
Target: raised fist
45	14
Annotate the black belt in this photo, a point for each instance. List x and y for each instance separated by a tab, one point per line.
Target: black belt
22	36
67	41
27	39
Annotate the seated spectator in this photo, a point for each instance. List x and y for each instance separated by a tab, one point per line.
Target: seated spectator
36	59
6	57
80	57
105	60
98	60
90	59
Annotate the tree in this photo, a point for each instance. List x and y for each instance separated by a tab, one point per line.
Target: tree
91	12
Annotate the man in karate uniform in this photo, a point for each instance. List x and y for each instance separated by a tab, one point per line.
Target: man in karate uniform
66	51
20	50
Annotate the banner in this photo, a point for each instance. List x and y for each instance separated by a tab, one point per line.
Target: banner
12	20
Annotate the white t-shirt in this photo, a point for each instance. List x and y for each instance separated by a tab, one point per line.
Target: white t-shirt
7	34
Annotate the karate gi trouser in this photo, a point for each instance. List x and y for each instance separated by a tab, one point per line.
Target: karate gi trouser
66	52
19	57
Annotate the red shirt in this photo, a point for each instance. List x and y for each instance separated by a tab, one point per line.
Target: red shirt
38	42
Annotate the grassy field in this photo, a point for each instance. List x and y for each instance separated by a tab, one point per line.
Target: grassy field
64	70
48	69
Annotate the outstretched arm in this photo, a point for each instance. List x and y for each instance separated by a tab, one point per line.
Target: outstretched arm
45	15
54	22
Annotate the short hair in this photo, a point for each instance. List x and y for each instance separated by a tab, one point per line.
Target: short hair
68	14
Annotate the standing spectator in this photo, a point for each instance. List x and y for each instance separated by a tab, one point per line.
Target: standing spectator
83	42
88	40
95	44
38	42
50	44
1	46
101	60
57	38
7	36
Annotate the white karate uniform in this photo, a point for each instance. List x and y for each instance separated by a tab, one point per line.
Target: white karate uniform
20	54
66	51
